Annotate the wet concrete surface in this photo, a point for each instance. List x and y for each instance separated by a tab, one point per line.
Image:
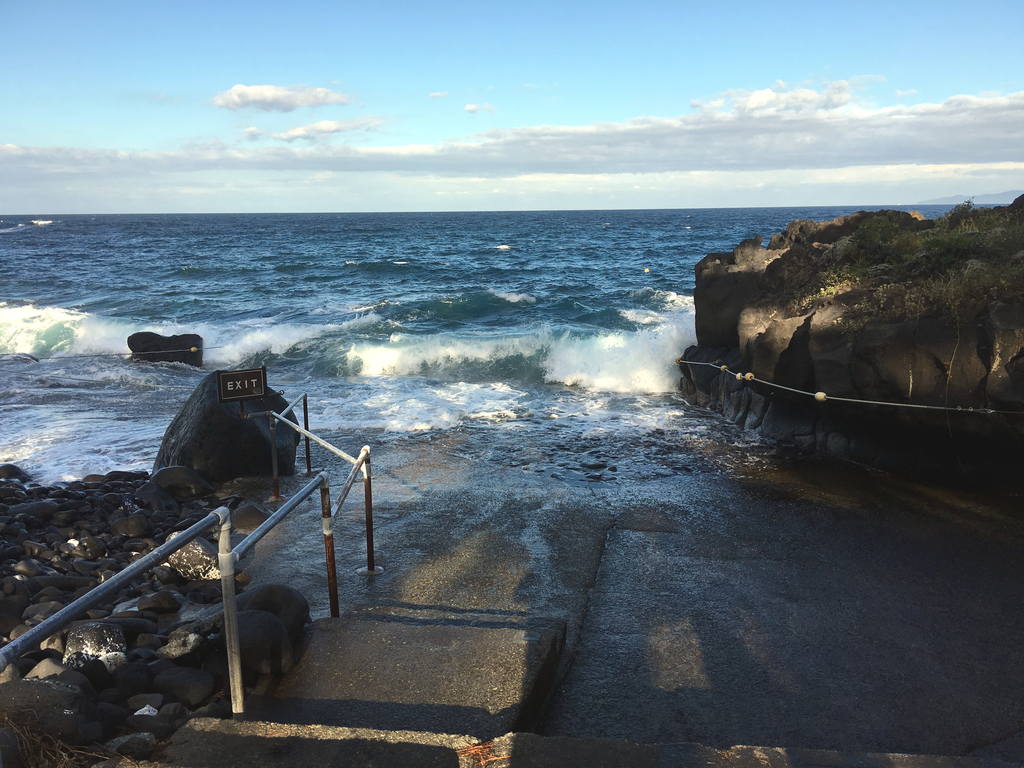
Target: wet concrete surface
741	600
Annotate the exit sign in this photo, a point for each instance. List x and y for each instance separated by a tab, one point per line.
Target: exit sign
241	385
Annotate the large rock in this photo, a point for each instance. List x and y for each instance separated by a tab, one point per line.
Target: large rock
152	347
196	561
286	603
182	483
758	310
99	640
213	439
56	708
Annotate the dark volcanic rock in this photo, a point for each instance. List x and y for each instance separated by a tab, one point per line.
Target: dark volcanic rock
196	561
183	483
213	438
133	525
187	685
95	640
13	472
747	318
153	347
156	498
59	709
41	510
284	602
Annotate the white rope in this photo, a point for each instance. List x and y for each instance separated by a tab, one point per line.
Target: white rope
823	397
59	378
107	354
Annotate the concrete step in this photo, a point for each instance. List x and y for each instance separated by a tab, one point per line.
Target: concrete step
206	743
389	670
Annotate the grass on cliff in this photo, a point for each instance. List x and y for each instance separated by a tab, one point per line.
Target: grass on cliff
953	265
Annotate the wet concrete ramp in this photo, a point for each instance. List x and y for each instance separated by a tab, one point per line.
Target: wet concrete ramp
864	639
391	671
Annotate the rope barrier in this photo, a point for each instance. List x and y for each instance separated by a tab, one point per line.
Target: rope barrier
107	354
60	378
822	397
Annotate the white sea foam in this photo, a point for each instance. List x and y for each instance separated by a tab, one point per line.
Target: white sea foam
514	298
45	331
642	316
412	405
636	361
503	247
361	321
665	300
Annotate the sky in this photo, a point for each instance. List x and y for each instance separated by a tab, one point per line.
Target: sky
149	107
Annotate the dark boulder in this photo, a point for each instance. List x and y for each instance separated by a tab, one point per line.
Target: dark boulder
153	496
263	643
189	686
134	525
286	603
215	440
153	348
183	483
13	472
59	709
196	561
41	510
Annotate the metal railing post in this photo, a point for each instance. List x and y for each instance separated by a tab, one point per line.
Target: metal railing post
371	567
226	563
332	571
275	492
305	423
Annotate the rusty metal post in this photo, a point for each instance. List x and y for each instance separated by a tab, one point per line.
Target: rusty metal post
305	423
371	568
332	572
275	492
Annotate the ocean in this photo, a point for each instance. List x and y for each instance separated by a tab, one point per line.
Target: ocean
524	334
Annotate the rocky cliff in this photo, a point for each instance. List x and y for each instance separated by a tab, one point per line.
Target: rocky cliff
883	306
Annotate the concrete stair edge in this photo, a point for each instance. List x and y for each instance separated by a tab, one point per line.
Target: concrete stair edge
210	743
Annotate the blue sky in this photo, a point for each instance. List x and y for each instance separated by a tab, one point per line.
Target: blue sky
131	107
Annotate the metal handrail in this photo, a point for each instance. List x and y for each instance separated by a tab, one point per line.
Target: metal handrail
228	557
360	463
76	608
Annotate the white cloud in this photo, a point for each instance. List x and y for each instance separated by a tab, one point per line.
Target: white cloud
252	133
438	94
758	143
755	130
323	128
277	98
474	108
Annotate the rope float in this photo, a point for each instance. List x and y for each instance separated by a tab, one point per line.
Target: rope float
822	397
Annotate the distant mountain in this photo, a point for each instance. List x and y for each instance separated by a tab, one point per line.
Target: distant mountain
998	198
